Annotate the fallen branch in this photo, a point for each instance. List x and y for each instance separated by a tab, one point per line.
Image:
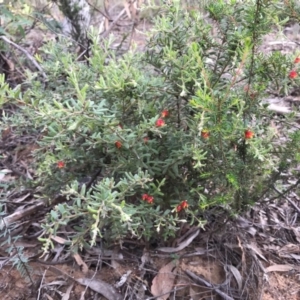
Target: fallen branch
18	215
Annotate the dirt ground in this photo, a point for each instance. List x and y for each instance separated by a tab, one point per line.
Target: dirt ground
60	281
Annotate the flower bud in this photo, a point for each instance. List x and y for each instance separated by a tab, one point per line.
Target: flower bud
160	123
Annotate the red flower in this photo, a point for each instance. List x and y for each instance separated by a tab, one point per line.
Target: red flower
60	164
183	205
297	60
160	123
118	144
178	208
164	113
148	198
145	196
146	139
249	134
293	74
205	134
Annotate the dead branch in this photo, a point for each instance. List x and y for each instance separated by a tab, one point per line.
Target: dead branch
18	215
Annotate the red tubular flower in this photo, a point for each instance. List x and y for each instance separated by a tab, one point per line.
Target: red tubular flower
146	139
160	123
249	134
205	134
293	74
145	197
148	198
60	164
178	208
164	113
118	144
297	60
184	204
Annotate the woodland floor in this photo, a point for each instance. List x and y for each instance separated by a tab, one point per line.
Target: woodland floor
255	256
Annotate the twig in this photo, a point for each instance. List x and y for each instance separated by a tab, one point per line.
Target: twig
208	284
105	15
29	56
94	177
106	33
96	270
131	34
289	200
286	191
41	285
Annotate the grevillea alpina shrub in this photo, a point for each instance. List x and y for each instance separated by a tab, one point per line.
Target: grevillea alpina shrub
141	143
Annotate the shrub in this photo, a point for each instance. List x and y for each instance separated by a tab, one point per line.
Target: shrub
141	143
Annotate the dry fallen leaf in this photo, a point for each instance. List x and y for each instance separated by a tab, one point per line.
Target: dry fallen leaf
5	177
163	282
289	248
59	239
101	287
81	263
66	295
237	275
279	268
256	250
181	246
